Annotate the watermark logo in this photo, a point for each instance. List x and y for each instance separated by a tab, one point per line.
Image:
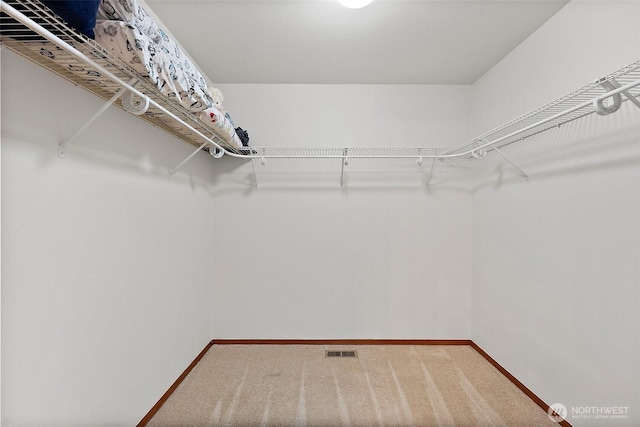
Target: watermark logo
557	412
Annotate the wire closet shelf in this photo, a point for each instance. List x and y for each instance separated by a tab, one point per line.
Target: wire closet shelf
602	96
33	31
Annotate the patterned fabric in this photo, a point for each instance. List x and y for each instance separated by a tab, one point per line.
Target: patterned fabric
153	55
137	39
221	125
118	10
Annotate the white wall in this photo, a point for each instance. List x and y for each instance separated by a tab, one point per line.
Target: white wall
114	278
556	261
105	277
383	257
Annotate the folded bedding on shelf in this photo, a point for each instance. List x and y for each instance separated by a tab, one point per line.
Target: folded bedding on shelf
153	54
135	37
222	124
119	10
137	41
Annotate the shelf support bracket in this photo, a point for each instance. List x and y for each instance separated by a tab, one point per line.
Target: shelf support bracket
114	98
433	166
520	171
255	176
345	162
174	170
214	150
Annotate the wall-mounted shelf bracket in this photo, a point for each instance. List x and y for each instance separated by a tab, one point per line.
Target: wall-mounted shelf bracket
114	98
345	162
255	176
516	167
263	159
214	150
174	170
520	171
433	166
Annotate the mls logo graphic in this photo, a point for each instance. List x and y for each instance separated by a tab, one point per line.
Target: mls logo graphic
557	412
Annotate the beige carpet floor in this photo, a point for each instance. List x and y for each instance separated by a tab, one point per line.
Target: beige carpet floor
397	385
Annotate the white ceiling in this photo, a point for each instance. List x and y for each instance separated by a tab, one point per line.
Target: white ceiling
320	41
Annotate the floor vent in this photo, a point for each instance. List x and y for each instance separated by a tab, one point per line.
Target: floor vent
335	353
